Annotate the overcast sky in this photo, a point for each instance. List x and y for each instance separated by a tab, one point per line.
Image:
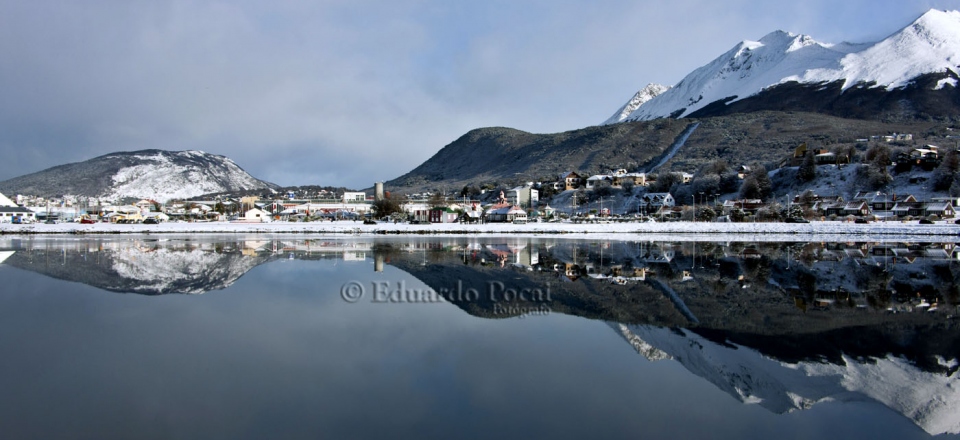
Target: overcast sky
348	92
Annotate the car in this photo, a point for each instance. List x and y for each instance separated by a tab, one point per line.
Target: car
861	220
87	221
924	221
151	221
795	220
50	221
369	222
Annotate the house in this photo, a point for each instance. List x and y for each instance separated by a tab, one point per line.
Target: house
639	179
597	180
523	196
912	209
653	201
505	213
857	208
443	215
941	209
147	205
746	205
570	180
254	215
16	214
158	216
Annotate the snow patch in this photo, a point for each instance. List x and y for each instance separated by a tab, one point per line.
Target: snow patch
952	82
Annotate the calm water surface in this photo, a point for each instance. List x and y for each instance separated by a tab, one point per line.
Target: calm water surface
475	337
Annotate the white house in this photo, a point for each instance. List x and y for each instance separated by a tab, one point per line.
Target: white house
523	196
506	213
254	216
658	200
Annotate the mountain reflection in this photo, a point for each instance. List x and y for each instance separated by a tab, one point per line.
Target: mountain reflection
782	325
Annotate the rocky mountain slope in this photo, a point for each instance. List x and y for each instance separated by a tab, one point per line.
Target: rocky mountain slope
506	156
154	174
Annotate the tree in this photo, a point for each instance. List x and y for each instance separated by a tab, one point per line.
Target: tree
386	207
750	189
879	156
808	169
945	173
437	200
763	181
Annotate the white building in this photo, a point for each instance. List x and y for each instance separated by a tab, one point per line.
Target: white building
523	196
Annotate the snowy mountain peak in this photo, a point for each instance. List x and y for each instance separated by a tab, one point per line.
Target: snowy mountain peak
930	45
645	94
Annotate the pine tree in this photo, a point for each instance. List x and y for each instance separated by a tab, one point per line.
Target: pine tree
808	169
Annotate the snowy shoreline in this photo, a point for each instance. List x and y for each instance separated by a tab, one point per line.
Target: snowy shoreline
770	231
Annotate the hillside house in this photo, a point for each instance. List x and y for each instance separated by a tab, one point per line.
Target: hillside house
597	180
639	179
523	196
749	206
570	180
652	202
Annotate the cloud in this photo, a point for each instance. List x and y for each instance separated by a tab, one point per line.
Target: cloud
345	93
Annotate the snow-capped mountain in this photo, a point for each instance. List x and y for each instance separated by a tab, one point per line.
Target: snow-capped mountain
154	174
930	399
645	94
924	55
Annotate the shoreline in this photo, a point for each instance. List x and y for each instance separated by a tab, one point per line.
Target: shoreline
812	229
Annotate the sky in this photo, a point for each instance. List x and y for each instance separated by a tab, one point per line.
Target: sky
350	92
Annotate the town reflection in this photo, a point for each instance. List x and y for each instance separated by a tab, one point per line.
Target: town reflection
782	325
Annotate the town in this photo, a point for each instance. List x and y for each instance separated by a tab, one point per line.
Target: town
618	195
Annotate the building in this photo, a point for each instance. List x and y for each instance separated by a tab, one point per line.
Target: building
505	213
523	196
254	215
570	180
653	201
443	215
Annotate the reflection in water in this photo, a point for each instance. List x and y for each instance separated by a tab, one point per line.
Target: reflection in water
782	325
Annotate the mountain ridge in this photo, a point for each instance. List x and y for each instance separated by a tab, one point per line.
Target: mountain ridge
928	46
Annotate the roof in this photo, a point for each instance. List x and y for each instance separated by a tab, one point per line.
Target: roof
14	210
4	201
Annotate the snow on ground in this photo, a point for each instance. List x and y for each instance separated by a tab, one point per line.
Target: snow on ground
668	231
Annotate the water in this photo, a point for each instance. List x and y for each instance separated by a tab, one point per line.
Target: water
475	337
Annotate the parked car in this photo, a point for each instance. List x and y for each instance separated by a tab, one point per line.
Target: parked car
861	220
87	221
924	221
151	221
795	220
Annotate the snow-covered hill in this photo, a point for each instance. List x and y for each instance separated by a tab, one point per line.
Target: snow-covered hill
928	46
153	174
